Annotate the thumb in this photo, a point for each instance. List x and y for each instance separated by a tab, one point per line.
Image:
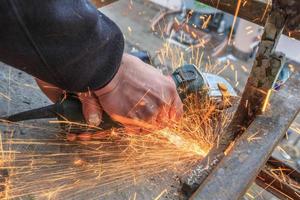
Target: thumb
91	108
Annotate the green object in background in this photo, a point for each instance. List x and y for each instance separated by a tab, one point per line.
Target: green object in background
200	5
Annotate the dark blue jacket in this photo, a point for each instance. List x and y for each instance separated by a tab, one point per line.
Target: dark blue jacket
68	43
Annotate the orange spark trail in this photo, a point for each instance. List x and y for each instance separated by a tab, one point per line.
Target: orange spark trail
234	20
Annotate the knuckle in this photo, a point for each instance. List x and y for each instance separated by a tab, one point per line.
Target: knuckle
172	89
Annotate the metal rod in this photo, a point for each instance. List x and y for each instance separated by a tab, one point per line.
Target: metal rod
237	171
280	179
262	78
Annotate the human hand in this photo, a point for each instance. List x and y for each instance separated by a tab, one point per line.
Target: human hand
138	91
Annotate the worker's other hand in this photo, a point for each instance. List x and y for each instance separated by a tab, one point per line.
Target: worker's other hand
137	91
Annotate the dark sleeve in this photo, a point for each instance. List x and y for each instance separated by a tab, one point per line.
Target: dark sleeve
68	43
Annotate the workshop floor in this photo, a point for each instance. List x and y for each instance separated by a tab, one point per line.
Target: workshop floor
18	92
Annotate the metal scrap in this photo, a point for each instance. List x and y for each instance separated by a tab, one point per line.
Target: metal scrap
264	73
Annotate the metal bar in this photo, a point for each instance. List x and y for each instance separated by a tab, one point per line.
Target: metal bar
288	170
237	171
277	184
255	11
264	73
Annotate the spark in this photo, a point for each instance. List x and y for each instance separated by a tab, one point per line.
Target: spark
206	22
224	68
252	137
232	67
176	21
5	96
249	32
284	153
161	194
250	195
234	20
244	68
237	84
129	29
119	157
295	129
229	148
134	197
267	100
291	67
140	102
269	3
248	27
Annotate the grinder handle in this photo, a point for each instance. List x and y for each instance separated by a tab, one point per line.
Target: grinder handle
70	110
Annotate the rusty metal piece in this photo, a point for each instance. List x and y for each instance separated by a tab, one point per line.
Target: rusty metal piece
262	78
288	170
292	9
276	186
256	11
101	3
3	181
280	179
237	171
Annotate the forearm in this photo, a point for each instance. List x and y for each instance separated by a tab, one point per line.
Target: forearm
69	44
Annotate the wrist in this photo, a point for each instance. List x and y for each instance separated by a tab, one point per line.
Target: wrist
115	80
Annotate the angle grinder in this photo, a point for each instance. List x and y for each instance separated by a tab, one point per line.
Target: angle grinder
188	80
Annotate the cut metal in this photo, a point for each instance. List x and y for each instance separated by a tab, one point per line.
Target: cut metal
261	81
237	171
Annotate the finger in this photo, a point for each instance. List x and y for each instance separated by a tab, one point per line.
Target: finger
52	92
91	109
176	111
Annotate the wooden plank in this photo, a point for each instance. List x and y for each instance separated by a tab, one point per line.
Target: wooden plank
255	11
237	171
